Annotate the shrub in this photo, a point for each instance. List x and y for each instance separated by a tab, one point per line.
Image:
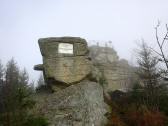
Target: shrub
115	120
36	121
145	117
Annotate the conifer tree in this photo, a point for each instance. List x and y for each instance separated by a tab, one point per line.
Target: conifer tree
149	75
16	98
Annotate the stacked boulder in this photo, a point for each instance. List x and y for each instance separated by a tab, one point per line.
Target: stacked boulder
75	101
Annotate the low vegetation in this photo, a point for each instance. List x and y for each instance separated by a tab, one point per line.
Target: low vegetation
146	103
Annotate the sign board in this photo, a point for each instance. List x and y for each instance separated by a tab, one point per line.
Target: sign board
65	48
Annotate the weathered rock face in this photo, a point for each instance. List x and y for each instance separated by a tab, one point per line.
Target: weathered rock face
103	55
80	102
118	73
76	105
65	59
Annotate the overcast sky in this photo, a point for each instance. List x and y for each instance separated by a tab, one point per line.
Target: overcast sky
23	22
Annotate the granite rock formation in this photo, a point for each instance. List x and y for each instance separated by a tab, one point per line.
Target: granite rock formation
77	105
67	66
117	72
65	60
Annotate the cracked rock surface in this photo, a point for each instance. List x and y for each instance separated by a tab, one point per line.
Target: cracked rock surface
77	105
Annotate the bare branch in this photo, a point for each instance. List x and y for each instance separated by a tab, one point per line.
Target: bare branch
157	38
158	24
166	35
155	51
161	44
166	27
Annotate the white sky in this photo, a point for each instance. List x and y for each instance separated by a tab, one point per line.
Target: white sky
23	22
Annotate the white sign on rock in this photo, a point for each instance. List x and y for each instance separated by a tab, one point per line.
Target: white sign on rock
65	48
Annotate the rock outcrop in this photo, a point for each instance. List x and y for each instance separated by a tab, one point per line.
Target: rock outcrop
77	105
75	100
117	72
65	60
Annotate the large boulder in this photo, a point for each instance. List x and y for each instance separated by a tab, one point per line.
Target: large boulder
77	105
65	59
75	99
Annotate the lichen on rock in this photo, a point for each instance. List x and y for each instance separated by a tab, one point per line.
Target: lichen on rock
76	100
77	105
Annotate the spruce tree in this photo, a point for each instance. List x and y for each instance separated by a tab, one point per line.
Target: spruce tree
149	75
